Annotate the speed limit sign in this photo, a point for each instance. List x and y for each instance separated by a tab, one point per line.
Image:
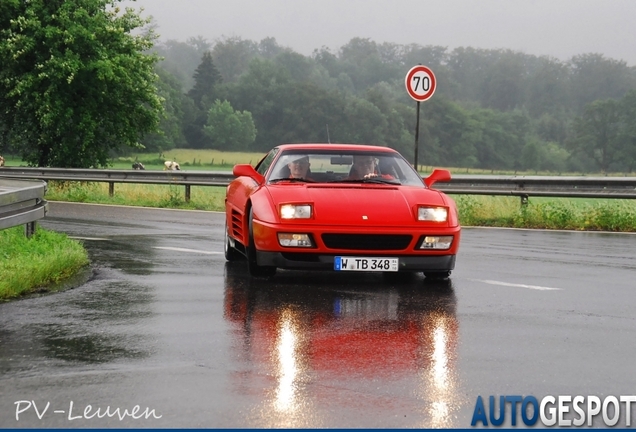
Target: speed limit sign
420	83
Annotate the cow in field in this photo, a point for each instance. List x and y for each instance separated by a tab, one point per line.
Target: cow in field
1	161
138	166
171	166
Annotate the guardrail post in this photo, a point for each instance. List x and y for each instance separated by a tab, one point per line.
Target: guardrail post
29	229
111	189
187	193
524	200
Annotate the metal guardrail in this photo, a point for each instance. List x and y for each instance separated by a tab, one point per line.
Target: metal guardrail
185	178
22	203
520	186
193	178
542	186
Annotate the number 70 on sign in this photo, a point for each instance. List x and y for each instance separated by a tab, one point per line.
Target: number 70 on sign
420	83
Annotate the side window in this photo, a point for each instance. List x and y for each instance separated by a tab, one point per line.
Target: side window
264	164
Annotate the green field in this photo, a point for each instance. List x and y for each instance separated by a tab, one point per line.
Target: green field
189	159
212	160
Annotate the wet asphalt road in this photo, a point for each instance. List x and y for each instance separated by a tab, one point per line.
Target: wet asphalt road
164	323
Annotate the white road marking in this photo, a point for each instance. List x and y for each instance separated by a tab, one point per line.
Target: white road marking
88	238
188	250
536	287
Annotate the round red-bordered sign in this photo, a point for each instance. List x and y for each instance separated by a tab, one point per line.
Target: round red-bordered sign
420	83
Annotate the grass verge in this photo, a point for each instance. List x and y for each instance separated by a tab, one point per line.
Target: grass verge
32	264
161	196
548	213
474	210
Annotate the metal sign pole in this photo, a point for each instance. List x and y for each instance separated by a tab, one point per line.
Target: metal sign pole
420	84
417	135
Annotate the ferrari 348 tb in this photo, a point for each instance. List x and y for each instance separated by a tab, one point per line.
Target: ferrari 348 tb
340	207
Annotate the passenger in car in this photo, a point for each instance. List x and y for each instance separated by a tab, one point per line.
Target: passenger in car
299	168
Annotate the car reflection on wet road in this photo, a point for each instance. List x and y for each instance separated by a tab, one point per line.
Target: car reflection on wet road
164	323
356	332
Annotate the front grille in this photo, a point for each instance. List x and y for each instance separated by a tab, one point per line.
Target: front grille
367	241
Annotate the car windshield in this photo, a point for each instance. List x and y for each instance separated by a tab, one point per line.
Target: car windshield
342	167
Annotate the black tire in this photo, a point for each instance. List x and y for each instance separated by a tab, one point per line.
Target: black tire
254	269
231	254
437	275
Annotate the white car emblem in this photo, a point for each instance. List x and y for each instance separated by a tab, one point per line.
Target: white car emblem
364	217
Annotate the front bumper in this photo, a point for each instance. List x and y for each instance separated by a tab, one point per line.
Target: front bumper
319	261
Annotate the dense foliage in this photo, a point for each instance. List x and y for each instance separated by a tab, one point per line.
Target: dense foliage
74	82
76	87
493	109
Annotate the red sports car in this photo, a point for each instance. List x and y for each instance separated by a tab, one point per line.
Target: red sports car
339	207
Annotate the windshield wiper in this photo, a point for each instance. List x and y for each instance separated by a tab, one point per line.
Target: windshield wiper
292	179
378	180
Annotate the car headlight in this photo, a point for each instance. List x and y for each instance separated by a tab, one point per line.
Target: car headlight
295	211
436	242
294	240
435	214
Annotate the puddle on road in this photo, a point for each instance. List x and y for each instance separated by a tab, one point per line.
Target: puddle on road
94	325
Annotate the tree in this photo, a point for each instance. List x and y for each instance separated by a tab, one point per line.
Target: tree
229	129
442	141
469	69
628	130
298	66
74	82
365	123
548	88
182	58
233	55
598	133
531	156
269	48
497	137
595	77
202	95
503	88
363	62
169	133
432	56
206	78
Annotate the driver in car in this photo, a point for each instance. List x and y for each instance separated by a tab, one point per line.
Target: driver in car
365	167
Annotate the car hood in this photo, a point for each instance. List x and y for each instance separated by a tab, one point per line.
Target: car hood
358	204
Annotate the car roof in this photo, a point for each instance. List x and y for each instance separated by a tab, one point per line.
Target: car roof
335	147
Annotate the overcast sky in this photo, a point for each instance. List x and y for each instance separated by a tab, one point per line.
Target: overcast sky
558	28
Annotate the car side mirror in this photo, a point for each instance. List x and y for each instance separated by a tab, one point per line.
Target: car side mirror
438	175
247	170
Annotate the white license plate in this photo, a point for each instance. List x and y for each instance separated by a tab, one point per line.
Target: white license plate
378	264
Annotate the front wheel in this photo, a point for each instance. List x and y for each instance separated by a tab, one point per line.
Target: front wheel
252	266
